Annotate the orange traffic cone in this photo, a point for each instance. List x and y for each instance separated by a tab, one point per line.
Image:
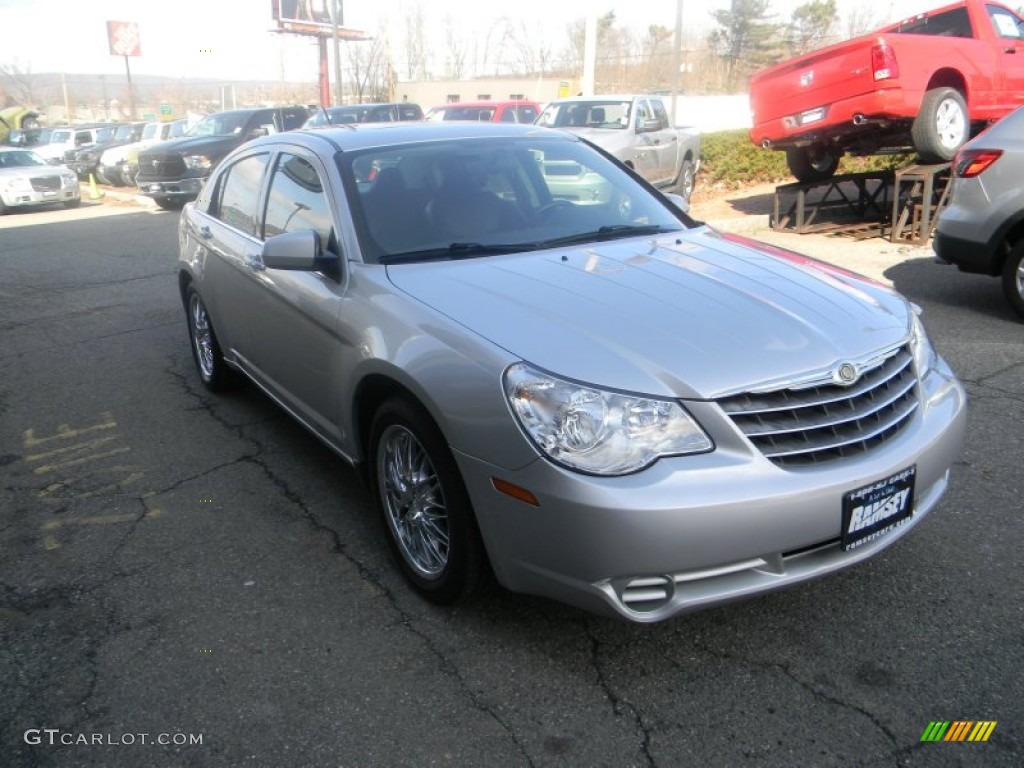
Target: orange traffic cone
94	193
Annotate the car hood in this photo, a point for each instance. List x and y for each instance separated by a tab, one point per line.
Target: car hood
33	171
698	315
208	145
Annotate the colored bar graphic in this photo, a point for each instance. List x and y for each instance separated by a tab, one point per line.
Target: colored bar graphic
959	730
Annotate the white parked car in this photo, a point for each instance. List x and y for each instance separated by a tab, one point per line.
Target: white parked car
26	179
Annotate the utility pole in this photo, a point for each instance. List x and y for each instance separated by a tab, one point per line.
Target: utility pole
337	20
677	61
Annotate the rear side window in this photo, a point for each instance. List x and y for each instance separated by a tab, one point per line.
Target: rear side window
410	112
297	200
239	190
954	23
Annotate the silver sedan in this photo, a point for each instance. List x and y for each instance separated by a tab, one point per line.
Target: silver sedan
594	397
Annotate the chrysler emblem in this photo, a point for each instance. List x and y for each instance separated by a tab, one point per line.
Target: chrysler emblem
846	374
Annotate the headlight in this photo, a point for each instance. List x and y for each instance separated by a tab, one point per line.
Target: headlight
19	183
87	157
69	179
197	162
924	352
591	430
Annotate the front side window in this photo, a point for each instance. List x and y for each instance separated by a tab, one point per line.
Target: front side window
222	124
238	193
297	200
1006	25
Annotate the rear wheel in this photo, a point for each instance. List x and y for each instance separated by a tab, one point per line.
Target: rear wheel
418	489
206	352
942	126
686	181
814	163
1013	278
73	203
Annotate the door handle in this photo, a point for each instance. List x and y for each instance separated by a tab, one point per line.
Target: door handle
1010	50
205	233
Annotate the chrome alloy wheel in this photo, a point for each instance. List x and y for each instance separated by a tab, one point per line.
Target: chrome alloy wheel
414	501
950	124
202	335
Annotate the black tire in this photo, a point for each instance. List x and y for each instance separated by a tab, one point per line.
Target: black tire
206	352
169	203
942	126
73	203
1013	278
814	163
686	181
423	503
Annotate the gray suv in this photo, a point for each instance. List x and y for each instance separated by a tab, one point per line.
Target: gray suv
982	230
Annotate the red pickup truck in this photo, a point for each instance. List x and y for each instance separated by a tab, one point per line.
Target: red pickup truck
927	83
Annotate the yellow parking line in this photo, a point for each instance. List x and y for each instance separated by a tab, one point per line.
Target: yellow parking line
74	462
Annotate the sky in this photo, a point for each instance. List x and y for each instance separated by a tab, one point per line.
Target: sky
230	39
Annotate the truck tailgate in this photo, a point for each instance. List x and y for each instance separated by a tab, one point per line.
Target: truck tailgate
817	79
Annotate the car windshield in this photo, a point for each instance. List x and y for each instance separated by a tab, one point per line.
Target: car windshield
586	114
60	137
20	159
221	124
124	133
459	199
151	131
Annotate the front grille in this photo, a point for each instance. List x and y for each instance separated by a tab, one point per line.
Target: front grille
45	183
814	424
161	166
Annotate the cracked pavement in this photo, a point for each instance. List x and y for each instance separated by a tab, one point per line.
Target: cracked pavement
212	569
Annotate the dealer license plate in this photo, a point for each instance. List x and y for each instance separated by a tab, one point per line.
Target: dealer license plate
872	510
49	193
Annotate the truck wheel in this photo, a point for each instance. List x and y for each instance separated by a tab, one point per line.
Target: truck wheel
814	163
942	125
1013	278
686	180
169	203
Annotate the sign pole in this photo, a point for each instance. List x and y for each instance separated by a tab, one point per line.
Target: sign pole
131	90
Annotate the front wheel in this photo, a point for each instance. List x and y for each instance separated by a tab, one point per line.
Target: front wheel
1013	278
426	509
73	203
942	126
814	163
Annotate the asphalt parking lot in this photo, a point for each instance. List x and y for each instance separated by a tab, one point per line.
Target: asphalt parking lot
194	580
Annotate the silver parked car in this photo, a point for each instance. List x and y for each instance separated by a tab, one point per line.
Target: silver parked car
982	229
605	403
26	179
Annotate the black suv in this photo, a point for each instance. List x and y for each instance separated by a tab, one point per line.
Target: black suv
172	173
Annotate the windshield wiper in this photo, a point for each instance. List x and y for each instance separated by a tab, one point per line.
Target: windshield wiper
457	251
608	232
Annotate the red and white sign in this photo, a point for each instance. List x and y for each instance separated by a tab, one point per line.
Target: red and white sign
124	38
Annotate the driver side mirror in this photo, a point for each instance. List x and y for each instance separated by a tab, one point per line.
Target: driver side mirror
300	250
258	131
648	124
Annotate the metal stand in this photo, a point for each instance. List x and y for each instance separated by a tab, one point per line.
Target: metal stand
920	194
852	202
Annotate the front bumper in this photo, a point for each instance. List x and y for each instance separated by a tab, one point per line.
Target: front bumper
13	199
692	532
183	188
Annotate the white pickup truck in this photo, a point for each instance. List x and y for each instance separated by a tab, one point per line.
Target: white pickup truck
637	131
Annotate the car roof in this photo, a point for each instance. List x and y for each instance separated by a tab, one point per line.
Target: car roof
485	103
365	135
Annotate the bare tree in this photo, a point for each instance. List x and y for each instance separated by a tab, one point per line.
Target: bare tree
18	85
860	20
456	48
369	70
532	52
745	38
656	57
415	45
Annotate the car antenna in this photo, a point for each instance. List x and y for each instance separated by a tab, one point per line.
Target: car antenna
327	115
